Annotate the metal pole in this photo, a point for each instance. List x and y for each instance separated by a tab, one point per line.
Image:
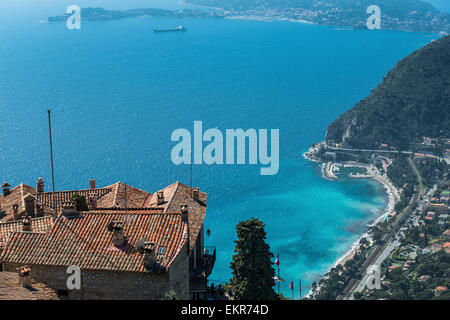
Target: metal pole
279	279
190	182
53	172
125	194
300	289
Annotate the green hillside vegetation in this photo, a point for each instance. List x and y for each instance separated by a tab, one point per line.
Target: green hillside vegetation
413	101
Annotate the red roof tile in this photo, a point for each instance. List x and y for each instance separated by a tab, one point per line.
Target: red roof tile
86	242
46	198
37	224
16	196
123	195
177	194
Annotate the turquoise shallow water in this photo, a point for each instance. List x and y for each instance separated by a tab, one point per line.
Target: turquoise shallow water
117	92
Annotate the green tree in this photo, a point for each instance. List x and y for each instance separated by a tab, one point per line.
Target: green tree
80	202
252	268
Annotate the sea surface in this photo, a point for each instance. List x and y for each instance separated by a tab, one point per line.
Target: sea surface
117	91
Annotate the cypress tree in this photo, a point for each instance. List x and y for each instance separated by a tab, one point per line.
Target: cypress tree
252	268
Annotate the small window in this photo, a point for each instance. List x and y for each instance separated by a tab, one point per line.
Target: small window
162	250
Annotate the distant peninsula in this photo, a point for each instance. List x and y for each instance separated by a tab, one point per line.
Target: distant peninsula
101	14
404	15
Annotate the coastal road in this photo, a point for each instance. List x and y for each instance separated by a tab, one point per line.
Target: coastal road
391	238
368	150
382	151
380	253
392	245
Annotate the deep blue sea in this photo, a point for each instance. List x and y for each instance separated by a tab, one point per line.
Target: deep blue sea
117	91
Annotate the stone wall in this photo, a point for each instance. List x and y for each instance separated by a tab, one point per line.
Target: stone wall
179	275
116	285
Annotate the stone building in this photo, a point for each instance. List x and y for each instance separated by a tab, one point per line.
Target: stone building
130	244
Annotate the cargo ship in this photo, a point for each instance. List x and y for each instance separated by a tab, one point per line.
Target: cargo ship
179	28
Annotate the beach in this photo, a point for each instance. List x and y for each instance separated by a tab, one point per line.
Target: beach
328	169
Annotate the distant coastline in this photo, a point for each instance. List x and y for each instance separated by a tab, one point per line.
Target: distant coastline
414	17
101	14
267	19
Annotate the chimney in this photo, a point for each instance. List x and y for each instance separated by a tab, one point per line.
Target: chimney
16	211
25	276
69	209
184	213
159	198
149	255
118	237
196	193
92	201
29	205
26	223
40	210
92	184
40	185
6	188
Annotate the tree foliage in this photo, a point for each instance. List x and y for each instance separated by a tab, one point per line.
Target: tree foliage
252	267
80	202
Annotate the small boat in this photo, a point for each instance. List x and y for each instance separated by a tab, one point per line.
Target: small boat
179	28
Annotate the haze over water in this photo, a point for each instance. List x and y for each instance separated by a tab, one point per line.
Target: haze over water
117	91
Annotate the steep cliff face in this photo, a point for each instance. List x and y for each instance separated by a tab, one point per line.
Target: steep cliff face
412	101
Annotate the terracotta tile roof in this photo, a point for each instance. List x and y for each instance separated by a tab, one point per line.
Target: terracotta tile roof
197	209
138	202
86	242
123	195
129	210
11	290
16	196
46	198
117	194
168	193
42	224
393	267
177	194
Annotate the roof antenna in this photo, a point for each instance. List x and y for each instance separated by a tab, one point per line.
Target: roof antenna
125	194
53	172
190	182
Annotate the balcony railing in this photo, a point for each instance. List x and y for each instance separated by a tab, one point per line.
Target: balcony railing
203	267
205	263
